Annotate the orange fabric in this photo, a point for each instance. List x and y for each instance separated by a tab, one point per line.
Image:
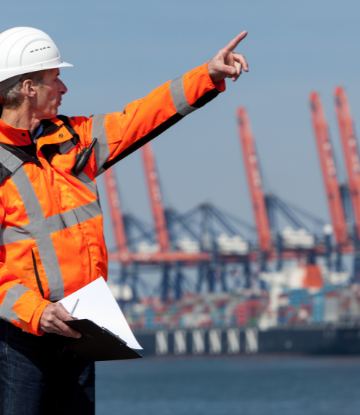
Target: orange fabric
11	135
80	249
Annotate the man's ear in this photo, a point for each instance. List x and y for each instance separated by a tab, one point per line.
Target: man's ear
28	88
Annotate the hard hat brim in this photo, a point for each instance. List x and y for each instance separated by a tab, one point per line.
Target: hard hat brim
4	75
64	65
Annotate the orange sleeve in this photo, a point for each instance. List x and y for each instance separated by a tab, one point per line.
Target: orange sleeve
121	133
18	304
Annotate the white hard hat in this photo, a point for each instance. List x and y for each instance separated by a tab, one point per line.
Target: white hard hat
24	50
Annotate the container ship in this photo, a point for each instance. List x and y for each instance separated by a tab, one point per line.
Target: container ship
284	318
294	295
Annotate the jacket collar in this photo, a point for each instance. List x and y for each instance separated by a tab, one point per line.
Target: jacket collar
14	136
54	132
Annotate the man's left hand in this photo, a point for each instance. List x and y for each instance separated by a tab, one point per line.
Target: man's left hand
226	63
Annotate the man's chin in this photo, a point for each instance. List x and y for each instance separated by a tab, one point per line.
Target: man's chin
49	116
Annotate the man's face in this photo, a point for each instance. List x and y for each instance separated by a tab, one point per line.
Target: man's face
49	95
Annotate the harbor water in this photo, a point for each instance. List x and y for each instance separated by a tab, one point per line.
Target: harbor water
229	386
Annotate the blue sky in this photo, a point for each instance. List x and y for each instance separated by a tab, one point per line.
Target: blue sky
122	50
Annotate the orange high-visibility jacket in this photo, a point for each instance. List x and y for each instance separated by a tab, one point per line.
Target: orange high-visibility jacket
51	236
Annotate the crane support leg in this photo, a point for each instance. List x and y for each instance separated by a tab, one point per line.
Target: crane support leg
279	250
201	271
223	281
165	283
210	276
328	251
356	264
339	266
134	283
179	277
247	274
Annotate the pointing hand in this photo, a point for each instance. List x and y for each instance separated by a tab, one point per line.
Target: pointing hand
226	63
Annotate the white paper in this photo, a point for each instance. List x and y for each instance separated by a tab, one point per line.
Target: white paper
96	303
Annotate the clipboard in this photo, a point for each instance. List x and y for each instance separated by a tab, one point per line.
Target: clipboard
96	303
97	343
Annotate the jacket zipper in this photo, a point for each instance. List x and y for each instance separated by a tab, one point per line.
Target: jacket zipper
37	274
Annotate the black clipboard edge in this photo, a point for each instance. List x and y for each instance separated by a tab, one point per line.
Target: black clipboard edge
97	343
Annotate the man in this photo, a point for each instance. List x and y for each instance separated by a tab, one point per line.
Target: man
52	234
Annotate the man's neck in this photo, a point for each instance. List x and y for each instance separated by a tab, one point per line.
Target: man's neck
21	118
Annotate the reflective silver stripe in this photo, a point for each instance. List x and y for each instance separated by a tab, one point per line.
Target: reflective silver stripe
28	195
51	266
10	161
12	295
51	224
66	147
102	151
87	182
179	98
44	243
32	230
86	212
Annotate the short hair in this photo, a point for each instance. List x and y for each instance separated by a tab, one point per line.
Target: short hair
11	97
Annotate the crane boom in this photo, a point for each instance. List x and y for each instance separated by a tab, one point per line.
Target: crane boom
116	214
351	152
254	181
328	168
155	198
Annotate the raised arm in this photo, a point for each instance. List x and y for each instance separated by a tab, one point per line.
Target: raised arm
121	133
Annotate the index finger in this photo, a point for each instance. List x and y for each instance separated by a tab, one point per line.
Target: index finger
61	312
232	45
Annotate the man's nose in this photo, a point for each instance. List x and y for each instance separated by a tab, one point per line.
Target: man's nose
63	89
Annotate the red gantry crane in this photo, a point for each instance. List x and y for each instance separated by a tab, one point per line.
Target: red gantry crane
254	182
158	213
116	216
123	254
165	254
328	168
164	257
162	236
157	208
312	275
351	153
